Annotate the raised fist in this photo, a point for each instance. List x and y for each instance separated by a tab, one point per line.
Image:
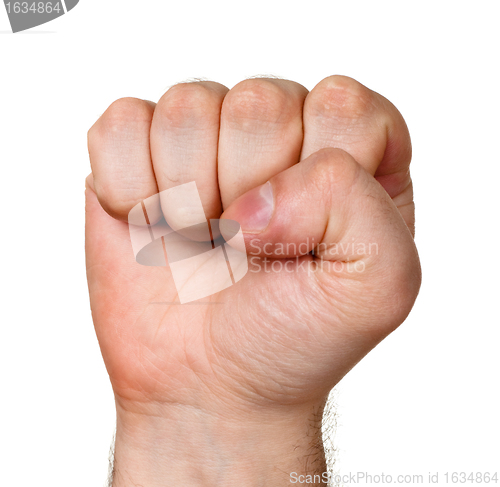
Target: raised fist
228	390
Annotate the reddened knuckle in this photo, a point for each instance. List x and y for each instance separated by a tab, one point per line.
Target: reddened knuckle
188	104
340	97
258	99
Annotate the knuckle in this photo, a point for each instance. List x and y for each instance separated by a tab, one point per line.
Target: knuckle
126	114
258	100
340	97
333	170
123	117
188	104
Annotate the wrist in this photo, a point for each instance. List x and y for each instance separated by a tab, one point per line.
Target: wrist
187	446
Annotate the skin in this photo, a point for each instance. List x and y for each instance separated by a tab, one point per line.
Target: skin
230	391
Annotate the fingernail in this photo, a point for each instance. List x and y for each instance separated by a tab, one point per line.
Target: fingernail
255	209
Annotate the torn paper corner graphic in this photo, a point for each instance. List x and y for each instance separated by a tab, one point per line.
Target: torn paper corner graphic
170	229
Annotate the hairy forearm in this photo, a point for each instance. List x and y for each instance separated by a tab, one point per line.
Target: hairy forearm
188	447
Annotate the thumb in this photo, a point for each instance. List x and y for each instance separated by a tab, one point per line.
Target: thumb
331	208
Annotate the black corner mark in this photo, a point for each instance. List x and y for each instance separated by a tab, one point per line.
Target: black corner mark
70	4
25	15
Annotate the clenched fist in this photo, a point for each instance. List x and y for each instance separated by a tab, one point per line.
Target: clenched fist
228	390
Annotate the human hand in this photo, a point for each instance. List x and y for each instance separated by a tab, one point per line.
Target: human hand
229	391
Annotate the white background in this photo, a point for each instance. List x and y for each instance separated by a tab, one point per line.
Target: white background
427	399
